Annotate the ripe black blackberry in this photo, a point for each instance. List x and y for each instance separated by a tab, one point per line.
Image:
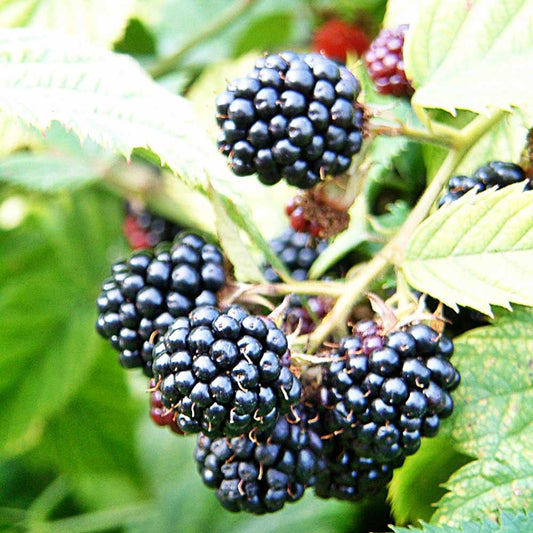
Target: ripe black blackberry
298	251
223	373
384	392
260	473
294	117
144	229
496	174
384	62
150	289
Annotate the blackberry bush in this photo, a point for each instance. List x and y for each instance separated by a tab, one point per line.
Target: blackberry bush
384	61
151	288
260	473
293	117
224	373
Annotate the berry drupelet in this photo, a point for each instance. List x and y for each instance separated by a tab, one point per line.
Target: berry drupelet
384	62
158	413
496	174
151	288
293	117
384	392
223	373
261	472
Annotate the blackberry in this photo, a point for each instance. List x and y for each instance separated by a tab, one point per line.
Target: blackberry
384	62
158	413
381	389
147	291
298	251
494	174
222	372
301	315
260	473
144	229
335	38
294	117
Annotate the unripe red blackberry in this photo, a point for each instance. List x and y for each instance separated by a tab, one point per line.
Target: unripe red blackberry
144	229
384	61
159	413
336	38
260	473
293	117
150	289
223	373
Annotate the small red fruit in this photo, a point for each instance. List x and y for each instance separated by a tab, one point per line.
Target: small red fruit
336	38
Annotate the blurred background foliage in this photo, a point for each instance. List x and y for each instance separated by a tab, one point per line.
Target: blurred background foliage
78	451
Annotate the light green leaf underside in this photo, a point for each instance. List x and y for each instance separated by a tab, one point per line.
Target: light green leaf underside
97	21
505	523
476	252
473	56
493	420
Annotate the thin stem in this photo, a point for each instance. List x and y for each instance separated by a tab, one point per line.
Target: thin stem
424	136
394	251
232	13
49	498
317	288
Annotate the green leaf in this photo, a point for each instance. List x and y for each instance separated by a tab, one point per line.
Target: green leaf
245	266
46	172
463	55
76	17
412	495
92	439
51	270
493	420
477	251
506	523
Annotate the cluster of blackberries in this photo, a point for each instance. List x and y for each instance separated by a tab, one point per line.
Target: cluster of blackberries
496	174
293	117
384	62
144	229
224	373
378	397
151	288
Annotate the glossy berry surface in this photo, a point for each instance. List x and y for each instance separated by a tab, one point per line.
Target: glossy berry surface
381	388
159	413
496	174
384	62
150	288
260	474
222	373
294	117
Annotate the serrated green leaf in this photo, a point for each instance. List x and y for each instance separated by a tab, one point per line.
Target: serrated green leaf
46	172
506	523
245	266
493	420
51	269
76	17
412	495
476	56
477	251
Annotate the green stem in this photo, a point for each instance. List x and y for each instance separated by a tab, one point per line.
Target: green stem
167	64
48	500
317	288
440	139
393	252
99	520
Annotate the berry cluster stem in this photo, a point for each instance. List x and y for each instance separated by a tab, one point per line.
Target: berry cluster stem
167	64
394	251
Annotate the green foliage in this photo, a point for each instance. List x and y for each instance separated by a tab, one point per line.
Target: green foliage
493	421
505	523
458	254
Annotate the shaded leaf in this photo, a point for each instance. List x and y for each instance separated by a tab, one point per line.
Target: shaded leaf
459	254
51	270
493	420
